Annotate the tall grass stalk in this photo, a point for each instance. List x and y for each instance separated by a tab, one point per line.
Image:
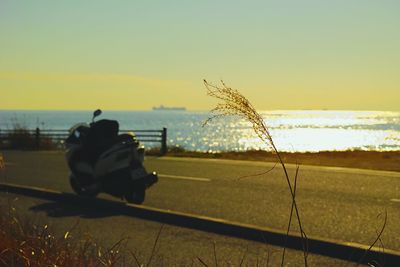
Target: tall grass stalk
233	103
25	243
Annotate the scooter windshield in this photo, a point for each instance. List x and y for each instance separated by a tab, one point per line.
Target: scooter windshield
76	126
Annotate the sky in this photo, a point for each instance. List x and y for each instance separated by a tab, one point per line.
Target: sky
132	55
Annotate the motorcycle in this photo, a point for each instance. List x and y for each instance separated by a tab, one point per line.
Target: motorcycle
101	160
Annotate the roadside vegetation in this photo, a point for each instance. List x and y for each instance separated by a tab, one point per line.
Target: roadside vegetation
19	137
26	243
233	103
373	160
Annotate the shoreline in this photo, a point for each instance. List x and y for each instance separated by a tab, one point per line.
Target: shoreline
371	160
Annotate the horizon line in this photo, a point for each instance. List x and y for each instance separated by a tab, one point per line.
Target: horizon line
199	110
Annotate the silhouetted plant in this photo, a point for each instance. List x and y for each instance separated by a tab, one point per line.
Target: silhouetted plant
20	137
234	103
24	243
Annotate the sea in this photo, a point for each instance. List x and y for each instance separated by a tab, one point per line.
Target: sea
291	130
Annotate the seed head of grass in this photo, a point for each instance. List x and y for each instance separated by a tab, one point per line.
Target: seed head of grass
233	103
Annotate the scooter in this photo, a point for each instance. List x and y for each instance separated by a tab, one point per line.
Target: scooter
101	160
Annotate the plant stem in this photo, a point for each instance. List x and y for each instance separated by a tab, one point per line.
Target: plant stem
290	217
294	202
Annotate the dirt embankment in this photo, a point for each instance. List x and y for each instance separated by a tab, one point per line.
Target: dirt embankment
388	161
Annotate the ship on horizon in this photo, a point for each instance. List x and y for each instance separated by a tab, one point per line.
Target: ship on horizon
164	108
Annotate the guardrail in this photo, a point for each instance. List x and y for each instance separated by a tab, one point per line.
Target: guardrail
40	139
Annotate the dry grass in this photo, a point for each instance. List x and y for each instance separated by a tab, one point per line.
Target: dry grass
233	103
26	243
19	137
373	160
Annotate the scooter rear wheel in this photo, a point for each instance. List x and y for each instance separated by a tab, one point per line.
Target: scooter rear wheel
136	195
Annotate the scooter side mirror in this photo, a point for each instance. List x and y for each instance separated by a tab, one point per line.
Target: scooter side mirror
96	113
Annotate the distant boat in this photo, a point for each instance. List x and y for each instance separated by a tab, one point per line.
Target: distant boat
163	108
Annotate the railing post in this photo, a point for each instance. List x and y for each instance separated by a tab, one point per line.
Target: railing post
37	138
164	141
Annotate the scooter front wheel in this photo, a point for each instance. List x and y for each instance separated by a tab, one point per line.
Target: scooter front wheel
136	195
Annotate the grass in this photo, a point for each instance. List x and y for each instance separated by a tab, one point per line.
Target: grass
233	103
24	243
373	160
21	138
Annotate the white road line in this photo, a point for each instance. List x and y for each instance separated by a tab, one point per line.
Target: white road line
395	200
198	179
270	164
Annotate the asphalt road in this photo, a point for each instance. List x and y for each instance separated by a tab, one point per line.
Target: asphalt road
336	203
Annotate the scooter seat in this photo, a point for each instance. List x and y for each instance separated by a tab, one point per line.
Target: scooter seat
101	137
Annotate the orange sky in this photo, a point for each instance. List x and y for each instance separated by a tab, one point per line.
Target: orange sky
135	55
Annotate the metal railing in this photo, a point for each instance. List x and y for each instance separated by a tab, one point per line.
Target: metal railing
39	138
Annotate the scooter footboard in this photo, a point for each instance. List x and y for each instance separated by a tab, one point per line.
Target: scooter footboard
117	183
150	179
